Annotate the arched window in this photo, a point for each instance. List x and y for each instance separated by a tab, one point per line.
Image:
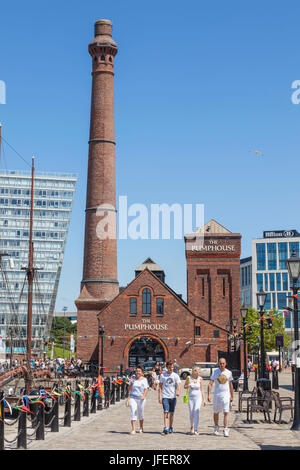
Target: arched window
146	302
103	58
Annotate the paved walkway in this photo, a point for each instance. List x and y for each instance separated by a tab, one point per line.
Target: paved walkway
109	430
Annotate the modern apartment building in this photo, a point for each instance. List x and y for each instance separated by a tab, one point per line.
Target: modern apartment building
53	200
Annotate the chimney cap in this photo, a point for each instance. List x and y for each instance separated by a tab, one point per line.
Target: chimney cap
103	34
103	27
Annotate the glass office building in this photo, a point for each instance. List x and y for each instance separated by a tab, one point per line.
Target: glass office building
53	200
269	271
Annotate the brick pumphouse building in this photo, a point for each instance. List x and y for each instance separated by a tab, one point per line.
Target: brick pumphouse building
146	320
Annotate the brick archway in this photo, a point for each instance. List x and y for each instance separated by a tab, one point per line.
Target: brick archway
143	335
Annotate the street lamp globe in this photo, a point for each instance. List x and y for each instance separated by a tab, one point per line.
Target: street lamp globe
261	298
234	322
244	312
101	330
293	265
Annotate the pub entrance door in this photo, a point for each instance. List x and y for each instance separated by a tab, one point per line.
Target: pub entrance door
145	349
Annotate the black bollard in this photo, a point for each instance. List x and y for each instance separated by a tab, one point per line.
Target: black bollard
67	417
39	420
1	420
93	399
86	401
22	431
107	391
77	415
118	389
112	396
55	416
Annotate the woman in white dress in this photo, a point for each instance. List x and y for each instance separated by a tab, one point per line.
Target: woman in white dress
194	384
137	391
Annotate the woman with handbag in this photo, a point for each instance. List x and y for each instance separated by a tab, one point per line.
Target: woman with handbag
195	397
137	391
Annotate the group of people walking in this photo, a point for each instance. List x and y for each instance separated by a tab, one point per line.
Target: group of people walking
169	389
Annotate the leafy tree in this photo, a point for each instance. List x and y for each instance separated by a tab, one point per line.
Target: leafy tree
277	329
62	327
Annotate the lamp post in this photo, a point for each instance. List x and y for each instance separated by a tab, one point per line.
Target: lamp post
293	265
244	312
261	299
100	361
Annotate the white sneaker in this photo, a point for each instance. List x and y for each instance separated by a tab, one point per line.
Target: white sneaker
216	430
226	432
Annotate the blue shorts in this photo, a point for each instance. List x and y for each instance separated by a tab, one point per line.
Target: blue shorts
169	405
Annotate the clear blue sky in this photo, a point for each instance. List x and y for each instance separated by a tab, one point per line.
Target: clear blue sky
197	85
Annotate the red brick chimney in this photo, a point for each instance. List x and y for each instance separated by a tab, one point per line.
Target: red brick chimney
99	283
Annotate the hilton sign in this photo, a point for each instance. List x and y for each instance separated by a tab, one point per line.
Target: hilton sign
281	234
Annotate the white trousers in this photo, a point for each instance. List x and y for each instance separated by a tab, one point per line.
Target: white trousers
194	408
136	408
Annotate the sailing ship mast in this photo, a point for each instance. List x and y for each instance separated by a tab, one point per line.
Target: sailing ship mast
30	276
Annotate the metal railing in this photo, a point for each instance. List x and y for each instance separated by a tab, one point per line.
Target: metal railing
30	417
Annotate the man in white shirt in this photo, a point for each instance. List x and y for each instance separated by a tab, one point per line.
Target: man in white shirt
168	391
223	394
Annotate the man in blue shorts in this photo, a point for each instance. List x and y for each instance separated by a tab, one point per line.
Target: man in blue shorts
169	389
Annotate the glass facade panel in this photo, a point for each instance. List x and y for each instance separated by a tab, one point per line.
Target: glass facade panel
259	281
266	282
261	256
288	320
285	282
274	300
283	254
268	302
272	256
282	300
272	281
278	281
